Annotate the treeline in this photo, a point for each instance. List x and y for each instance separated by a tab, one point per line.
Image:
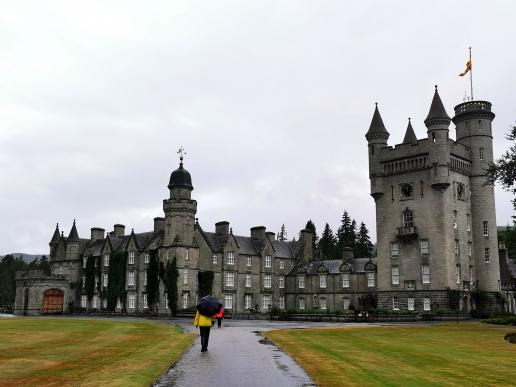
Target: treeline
9	265
330	245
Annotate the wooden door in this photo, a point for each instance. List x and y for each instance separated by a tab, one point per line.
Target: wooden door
53	301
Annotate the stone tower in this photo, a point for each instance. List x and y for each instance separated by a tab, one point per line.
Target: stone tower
473	120
432	209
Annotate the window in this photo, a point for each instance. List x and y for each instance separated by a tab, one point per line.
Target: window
214	259
322	280
187	254
132	301
281	264
84	261
146	258
485	226
166	300
455	225
249	262
230	279
95	302
456	248
268	261
426	303
394	249
301	281
425	274
370	280
84	301
481	153
83	281
231	257
345	280
410	303
106	260
345	303
60	269
118	304
423	243
186	299
131	257
470	250
104	303
144	278
185	276
468	222
395	303
248	280
267	281
487	255
96	282
282	302
228	301
408	218
301	302
105	280
395	274
266	301
281	281
322	303
130	279
145	305
457	274
471	275
248	301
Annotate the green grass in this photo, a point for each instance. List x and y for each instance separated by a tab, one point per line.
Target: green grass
465	354
61	351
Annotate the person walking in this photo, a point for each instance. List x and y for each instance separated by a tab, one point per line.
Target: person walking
204	324
219	317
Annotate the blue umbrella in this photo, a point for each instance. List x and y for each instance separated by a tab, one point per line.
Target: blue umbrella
208	306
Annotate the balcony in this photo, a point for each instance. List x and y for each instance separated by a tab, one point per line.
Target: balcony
406	233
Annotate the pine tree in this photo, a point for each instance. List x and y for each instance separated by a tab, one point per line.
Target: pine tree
346	233
311	227
327	243
364	247
282	235
171	284
152	288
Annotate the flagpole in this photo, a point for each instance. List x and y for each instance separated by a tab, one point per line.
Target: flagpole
471	74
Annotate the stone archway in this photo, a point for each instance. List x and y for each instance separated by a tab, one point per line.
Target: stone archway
25	301
53	300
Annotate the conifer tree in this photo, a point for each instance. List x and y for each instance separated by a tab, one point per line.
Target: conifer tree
171	284
282	235
364	247
346	233
327	243
152	288
311	227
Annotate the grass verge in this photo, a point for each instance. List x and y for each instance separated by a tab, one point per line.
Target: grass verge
62	351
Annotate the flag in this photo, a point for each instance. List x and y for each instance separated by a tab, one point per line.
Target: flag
468	68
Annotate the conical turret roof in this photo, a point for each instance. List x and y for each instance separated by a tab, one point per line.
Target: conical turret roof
74	235
55	237
377	128
410	135
437	113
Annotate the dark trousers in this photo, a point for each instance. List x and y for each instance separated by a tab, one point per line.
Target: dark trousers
219	322
205	336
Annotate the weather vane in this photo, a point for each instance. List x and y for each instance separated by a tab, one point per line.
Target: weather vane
181	152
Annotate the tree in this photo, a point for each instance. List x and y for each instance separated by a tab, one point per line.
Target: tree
171	285
503	170
90	278
152	288
44	265
346	234
364	247
116	283
282	235
327	243
8	268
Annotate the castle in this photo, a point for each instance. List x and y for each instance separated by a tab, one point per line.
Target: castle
436	230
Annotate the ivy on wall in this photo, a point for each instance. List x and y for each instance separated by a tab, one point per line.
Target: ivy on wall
152	288
90	272
117	275
171	275
205	281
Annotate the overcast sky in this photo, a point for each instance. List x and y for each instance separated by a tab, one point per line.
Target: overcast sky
271	100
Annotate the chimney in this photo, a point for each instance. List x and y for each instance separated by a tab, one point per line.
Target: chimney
258	232
222	228
307	237
347	254
97	233
159	224
119	230
270	235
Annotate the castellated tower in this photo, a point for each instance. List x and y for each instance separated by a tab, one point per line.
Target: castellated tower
435	220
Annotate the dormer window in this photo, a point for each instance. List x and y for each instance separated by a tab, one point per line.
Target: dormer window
131	258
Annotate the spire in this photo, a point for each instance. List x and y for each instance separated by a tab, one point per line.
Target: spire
437	113
73	236
377	128
410	136
55	237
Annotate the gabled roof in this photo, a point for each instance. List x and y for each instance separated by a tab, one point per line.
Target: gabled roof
334	265
410	136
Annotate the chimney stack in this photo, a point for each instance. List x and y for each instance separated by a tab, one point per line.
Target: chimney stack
347	254
271	235
307	237
159	224
258	232
97	233
119	230
222	228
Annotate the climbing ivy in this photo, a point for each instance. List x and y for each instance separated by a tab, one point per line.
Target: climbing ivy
152	281
171	275
89	284
205	280
117	274
453	298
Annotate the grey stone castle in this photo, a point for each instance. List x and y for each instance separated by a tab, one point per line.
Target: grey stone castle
436	229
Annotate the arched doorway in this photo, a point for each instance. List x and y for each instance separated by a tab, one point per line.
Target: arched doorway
25	302
53	301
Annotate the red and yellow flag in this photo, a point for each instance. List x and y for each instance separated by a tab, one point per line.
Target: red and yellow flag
468	68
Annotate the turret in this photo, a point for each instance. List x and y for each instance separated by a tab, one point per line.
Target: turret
54	241
437	123
410	135
377	137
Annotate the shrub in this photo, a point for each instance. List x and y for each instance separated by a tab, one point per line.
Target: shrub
501	320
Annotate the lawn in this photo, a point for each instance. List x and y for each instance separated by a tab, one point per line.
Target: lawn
462	354
63	351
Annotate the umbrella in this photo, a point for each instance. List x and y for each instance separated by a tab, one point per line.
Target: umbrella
209	306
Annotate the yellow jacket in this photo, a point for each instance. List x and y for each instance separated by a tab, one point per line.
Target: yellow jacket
201	320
